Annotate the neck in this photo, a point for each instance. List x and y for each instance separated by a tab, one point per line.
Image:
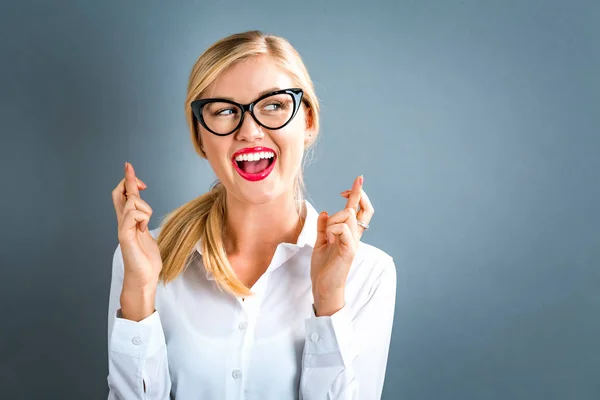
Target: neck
253	230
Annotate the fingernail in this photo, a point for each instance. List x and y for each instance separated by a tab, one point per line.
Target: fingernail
361	179
126	166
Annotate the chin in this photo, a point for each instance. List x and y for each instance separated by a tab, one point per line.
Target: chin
262	193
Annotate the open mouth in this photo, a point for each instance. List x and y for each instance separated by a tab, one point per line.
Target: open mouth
254	164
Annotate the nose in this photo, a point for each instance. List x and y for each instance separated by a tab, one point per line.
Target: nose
249	130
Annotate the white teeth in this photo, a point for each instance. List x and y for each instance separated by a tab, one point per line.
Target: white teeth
255	156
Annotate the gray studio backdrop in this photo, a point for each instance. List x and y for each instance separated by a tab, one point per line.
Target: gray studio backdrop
475	124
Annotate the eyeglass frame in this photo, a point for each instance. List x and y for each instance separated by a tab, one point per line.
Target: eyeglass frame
197	105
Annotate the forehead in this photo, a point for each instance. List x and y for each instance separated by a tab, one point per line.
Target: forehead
245	80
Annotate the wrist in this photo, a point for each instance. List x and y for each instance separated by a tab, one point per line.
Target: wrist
329	306
139	287
137	305
327	310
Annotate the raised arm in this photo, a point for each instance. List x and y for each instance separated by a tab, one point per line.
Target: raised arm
137	355
345	351
345	355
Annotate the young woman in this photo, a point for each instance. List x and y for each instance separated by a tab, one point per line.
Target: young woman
246	292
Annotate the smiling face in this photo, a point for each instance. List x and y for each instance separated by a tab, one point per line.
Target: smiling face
236	158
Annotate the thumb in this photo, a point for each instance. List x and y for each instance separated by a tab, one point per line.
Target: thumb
321	229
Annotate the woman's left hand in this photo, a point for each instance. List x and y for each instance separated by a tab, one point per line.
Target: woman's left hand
337	240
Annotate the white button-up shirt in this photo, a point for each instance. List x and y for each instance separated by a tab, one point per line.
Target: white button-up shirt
204	343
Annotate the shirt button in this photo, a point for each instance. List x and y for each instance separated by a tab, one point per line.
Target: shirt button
137	340
314	337
237	374
243	325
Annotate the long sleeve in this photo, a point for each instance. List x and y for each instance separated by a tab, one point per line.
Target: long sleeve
345	356
137	352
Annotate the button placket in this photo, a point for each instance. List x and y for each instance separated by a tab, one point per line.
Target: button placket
239	326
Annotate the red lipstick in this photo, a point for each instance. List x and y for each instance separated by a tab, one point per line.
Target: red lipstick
257	176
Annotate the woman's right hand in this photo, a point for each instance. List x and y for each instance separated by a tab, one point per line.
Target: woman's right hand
141	255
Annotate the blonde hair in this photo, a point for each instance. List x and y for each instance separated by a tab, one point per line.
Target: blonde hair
203	218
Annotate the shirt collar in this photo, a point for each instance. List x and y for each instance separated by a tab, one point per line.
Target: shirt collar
307	237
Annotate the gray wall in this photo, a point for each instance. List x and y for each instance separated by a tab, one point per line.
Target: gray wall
474	123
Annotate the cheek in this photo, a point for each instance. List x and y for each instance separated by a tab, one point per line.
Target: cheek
294	134
291	142
215	149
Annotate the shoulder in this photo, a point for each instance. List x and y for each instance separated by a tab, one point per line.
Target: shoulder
373	271
373	257
371	265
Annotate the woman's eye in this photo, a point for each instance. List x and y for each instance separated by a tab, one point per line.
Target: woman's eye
225	111
273	106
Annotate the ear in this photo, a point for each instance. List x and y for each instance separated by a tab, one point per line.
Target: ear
310	133
199	139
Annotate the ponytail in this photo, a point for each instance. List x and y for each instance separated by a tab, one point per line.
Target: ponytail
200	219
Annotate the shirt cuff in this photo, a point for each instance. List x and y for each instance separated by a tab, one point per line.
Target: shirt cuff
136	339
330	335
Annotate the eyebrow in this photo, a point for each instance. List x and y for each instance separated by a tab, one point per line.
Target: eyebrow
273	89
